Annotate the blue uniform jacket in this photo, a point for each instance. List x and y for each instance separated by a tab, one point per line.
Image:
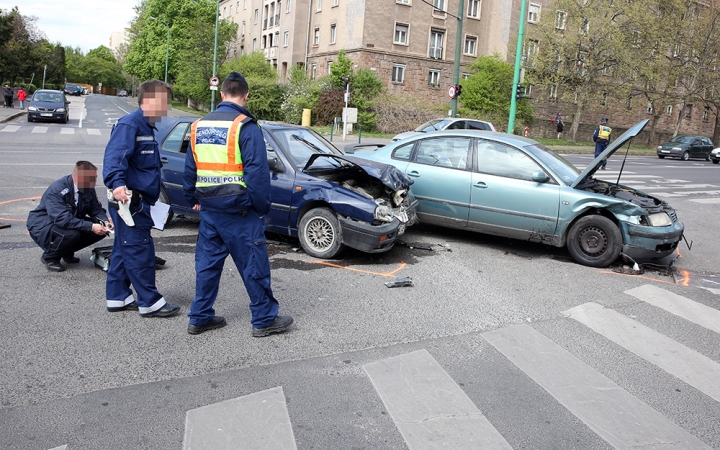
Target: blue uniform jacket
255	166
57	208
132	158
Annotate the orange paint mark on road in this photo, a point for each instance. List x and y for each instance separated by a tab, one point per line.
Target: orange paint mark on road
635	276
386	274
19	200
686	278
12	220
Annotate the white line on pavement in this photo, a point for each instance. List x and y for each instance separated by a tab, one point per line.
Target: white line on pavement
694	312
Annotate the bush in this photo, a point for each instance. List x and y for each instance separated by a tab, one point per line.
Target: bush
329	106
396	114
266	98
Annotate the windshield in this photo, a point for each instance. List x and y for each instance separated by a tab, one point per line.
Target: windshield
433	125
52	97
559	165
301	143
682	139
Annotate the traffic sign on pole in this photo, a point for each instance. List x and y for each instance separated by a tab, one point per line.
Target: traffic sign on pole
214	81
451	92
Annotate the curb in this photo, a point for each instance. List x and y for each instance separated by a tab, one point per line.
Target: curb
12	116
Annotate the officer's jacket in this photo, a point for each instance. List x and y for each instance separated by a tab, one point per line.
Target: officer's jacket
256	174
602	133
57	208
132	158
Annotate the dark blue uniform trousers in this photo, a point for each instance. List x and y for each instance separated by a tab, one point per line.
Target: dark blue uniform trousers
133	262
600	147
243	238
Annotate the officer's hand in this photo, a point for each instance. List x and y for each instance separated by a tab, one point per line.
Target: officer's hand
120	194
109	224
99	229
196	207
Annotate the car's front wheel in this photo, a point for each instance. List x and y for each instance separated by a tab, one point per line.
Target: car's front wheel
715	161
686	155
594	241
320	234
165	199
661	156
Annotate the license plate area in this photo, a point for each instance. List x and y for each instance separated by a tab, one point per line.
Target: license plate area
46	114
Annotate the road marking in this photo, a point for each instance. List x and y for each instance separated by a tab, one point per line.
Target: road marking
67	130
39	130
10	128
708	201
382	274
428	407
611	412
682	194
62	447
255	421
94	131
689	310
695	369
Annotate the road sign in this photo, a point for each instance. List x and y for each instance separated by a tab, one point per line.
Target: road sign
451	92
214	81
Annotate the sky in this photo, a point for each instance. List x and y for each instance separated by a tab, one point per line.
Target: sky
79	23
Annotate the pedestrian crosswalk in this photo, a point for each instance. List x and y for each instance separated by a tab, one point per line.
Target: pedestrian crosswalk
40	129
431	410
665	188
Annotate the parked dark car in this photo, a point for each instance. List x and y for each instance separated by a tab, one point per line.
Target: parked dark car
324	198
686	147
47	104
71	89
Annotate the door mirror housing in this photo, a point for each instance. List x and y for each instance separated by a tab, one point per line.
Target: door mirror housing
540	177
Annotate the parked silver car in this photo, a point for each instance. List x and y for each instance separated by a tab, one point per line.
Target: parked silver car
449	123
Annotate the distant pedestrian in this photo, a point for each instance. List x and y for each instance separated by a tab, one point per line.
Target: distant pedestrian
8	93
22	95
601	137
560	125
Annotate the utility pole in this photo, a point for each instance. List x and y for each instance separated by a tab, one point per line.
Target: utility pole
518	62
217	15
346	81
458	55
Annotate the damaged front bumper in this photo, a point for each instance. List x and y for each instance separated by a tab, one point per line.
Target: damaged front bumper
645	243
376	238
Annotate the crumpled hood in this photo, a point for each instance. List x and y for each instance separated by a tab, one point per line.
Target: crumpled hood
609	151
387	174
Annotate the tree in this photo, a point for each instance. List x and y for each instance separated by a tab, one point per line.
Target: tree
252	65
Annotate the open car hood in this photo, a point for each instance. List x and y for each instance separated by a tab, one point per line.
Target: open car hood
387	174
609	151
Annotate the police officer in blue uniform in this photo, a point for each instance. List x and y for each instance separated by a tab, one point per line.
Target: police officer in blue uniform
132	165
227	179
69	217
601	137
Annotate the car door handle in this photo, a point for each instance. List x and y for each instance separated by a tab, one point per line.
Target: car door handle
414	173
164	160
480	185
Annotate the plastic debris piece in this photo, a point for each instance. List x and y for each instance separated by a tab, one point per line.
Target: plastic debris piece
400	282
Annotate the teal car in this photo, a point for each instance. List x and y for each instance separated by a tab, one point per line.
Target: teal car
511	186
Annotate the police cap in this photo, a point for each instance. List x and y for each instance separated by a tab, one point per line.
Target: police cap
603	120
234	76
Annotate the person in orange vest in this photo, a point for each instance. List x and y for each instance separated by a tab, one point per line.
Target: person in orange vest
227	179
601	137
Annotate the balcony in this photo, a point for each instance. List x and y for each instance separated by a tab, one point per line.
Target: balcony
270	52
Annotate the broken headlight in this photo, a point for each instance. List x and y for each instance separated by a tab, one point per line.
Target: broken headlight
387	214
661	219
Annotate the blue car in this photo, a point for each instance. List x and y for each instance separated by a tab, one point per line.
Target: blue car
47	104
510	186
326	199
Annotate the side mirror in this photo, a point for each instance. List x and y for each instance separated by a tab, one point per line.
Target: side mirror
275	165
540	177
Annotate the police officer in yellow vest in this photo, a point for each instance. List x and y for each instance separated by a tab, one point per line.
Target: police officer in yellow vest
227	179
601	137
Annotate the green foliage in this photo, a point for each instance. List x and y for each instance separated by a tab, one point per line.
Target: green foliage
252	65
265	99
98	66
340	68
365	87
301	93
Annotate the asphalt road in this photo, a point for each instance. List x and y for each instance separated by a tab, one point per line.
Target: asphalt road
500	343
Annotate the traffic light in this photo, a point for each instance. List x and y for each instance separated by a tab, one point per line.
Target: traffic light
520	93
458	90
345	81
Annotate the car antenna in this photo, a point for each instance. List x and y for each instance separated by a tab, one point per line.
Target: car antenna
622	166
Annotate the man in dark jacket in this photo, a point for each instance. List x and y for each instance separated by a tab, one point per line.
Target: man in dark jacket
228	181
69	217
8	93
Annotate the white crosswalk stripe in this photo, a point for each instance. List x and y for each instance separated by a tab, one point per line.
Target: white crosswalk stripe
52	130
698	313
67	131
10	128
39	130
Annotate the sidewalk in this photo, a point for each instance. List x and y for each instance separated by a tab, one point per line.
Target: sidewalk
7	114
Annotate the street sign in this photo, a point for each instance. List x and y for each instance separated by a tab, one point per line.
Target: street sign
451	92
214	81
213	88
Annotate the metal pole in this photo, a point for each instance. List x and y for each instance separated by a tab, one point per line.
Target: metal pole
518	61
217	15
347	96
167	53
458	55
44	71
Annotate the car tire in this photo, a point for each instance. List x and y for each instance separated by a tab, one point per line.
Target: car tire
715	161
66	119
166	199
594	241
686	155
707	157
661	156
320	234
29	118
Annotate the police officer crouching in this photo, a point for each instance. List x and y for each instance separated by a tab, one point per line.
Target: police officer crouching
227	179
69	217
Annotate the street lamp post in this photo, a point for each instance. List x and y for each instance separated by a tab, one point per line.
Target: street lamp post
167	48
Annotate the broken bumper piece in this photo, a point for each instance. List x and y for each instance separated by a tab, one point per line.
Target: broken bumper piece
370	238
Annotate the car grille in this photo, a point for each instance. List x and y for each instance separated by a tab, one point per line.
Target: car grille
46	109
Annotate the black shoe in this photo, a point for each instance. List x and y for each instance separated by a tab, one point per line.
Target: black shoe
602	167
169	309
279	325
214	323
71	259
53	266
129	307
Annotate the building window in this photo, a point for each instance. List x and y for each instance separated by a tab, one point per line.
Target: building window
237	6
470	45
398	73
533	13
439	5
254	44
333	33
313	71
316	40
474	9
256	16
688	111
529	52
465	75
401	33
276	41
560	20
668	110
553	92
287	6
603	99
319	5
243	28
329	67
434	78
336	2
244	4
231	10
706	114
404	2
224	11
287	39
649	108
436	44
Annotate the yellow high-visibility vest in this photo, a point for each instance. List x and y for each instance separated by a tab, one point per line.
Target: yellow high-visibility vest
604	132
216	150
